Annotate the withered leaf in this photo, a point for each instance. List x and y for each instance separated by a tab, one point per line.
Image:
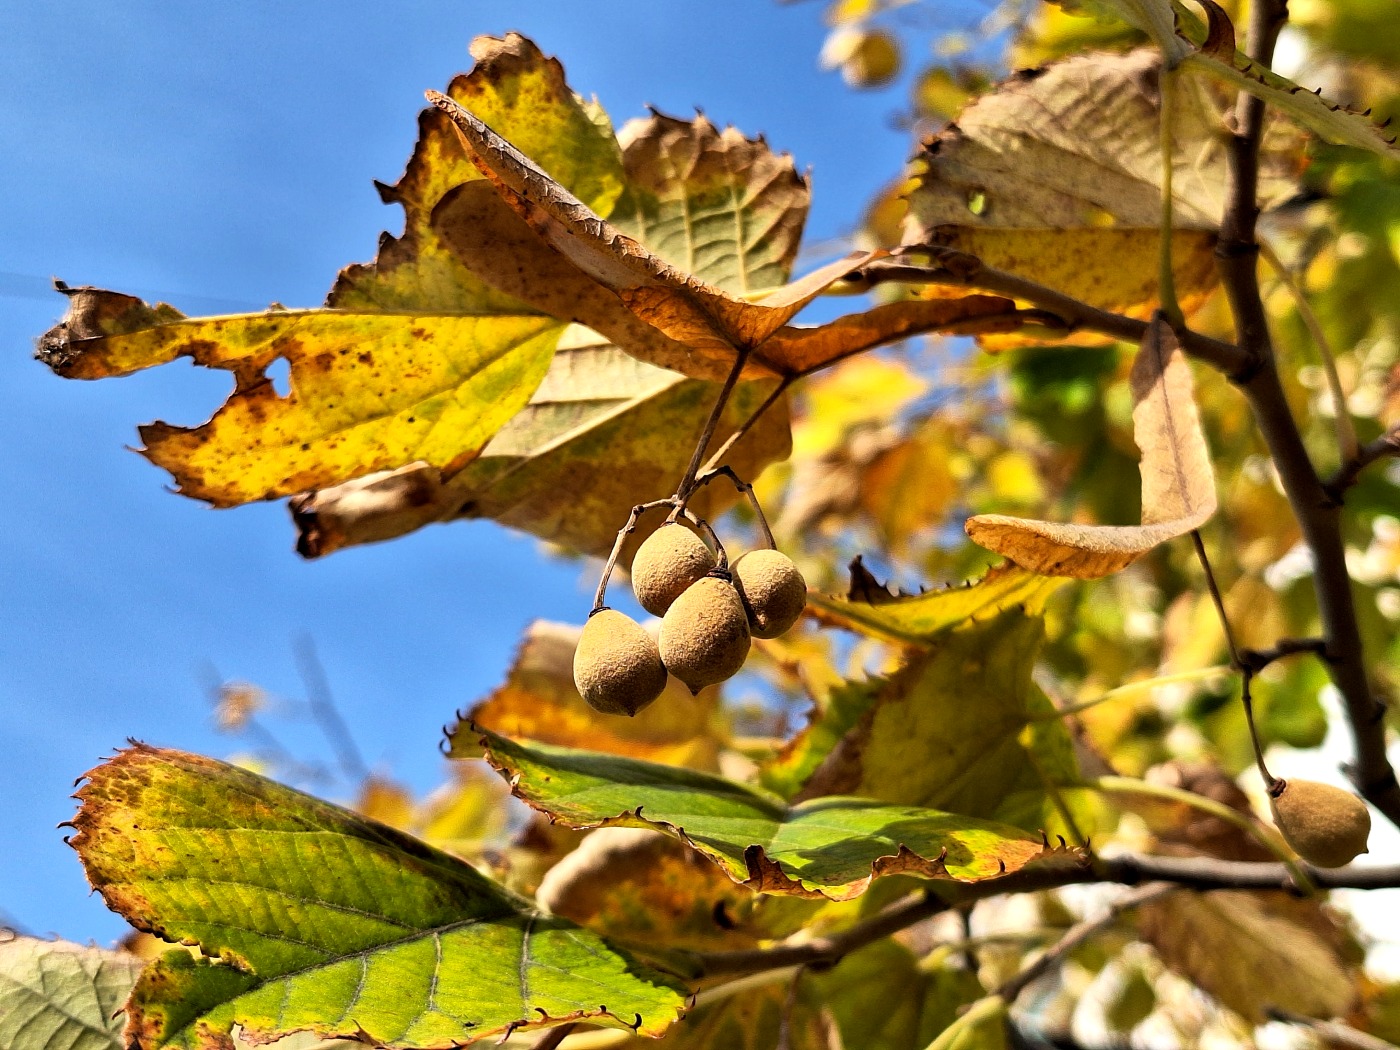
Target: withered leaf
1178	483
368	390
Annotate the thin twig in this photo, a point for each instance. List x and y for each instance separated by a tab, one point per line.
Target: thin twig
641	508
1246	672
953	267
1215	597
1258	659
1388	444
1332	1033
687	483
327	716
734	438
1078	934
747	490
1343	425
1198	873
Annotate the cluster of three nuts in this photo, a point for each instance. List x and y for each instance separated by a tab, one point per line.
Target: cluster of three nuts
708	615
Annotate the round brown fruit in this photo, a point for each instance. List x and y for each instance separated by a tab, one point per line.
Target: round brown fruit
617	668
772	590
669	560
1325	825
705	634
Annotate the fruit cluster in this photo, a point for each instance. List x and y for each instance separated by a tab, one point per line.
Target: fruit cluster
709	612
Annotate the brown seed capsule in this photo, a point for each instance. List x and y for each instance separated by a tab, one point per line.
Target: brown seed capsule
772	590
1324	824
668	561
705	634
616	666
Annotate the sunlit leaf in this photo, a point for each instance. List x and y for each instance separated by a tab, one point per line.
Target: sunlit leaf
540	702
524	95
60	994
1178	483
1075	145
603	432
322	920
919	618
961	727
368	390
830	847
1334	122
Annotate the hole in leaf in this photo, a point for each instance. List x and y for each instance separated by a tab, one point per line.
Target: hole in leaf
279	373
977	202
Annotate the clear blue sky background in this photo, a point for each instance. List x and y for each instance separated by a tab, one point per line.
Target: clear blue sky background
220	156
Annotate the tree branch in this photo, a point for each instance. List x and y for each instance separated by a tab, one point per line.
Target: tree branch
1198	873
1388	444
1333	1033
1317	510
959	268
1077	935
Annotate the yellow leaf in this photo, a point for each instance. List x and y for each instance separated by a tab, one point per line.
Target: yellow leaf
1178	484
540	702
368	391
603	426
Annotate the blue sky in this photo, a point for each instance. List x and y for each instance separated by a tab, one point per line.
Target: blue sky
220	156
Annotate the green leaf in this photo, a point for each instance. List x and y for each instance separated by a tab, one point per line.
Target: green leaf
919	618
60	994
313	918
960	727
829	847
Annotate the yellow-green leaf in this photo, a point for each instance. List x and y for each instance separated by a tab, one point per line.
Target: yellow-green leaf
56	993
310	917
603	432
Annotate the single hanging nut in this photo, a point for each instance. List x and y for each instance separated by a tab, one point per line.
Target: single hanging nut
705	634
772	590
669	560
1325	825
617	668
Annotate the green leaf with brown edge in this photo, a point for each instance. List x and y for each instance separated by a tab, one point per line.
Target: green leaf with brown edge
916	619
828	847
525	95
961	727
1218	58
56	993
626	426
313	918
369	391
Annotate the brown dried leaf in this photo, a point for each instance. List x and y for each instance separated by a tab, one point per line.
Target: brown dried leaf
1252	951
1178	484
540	702
640	886
1075	145
681	305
